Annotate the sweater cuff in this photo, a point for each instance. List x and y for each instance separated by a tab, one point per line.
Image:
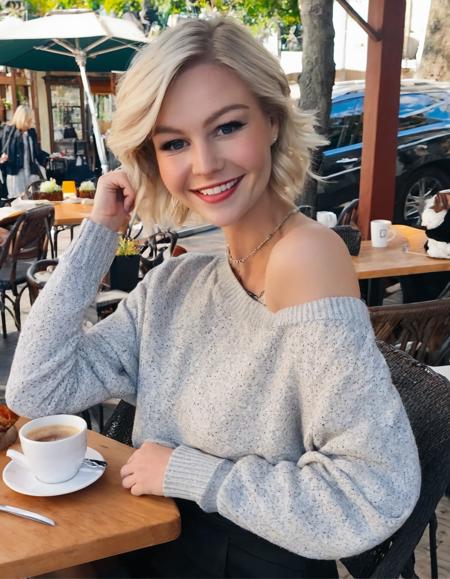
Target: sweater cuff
195	476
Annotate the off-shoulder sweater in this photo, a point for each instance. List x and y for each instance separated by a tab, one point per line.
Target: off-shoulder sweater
286	423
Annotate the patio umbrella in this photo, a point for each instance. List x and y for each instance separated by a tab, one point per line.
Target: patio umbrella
72	40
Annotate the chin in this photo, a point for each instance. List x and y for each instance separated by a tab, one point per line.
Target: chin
224	219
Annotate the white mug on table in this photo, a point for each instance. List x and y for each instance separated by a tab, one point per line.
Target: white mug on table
327	218
381	232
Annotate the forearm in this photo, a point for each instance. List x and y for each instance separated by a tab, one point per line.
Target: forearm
58	366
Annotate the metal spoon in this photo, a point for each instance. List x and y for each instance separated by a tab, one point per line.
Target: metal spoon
27	515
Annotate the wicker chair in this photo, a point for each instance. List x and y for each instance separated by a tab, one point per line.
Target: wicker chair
420	329
426	396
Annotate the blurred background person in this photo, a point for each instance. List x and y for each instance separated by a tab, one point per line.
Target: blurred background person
22	158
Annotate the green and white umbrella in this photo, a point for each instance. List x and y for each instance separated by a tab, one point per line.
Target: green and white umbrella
72	41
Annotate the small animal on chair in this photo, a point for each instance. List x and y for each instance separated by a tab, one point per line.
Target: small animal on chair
436	219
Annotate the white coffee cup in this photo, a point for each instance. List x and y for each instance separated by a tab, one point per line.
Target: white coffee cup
327	218
381	232
54	446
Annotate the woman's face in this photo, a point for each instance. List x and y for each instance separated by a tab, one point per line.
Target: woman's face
213	144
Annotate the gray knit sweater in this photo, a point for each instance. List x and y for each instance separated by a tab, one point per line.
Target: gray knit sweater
287	423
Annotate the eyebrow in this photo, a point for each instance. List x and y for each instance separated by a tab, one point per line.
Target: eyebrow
165	129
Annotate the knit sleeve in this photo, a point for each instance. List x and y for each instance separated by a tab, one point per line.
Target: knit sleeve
358	478
59	365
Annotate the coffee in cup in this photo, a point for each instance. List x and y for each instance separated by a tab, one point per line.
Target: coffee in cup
52	432
54	446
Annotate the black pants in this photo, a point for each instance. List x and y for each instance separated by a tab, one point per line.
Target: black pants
212	546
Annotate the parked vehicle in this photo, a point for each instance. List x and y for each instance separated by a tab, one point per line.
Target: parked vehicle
423	161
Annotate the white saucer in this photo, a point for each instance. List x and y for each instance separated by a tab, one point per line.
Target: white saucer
20	479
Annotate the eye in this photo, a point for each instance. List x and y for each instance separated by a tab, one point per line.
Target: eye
175	145
228	128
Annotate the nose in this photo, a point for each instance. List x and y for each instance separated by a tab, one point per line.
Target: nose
206	158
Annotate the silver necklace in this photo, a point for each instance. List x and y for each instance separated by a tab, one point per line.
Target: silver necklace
239	260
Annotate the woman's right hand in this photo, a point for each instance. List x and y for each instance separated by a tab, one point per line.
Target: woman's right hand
3	158
114	200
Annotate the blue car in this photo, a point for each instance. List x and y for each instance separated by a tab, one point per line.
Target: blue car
423	159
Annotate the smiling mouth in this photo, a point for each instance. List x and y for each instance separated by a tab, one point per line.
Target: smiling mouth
218	189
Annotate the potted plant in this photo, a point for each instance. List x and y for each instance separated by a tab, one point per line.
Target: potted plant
49	190
86	190
124	272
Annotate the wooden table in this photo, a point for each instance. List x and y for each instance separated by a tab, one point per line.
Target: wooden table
98	521
67	214
405	255
8	215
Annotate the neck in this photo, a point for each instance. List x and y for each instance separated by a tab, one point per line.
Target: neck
253	242
254	227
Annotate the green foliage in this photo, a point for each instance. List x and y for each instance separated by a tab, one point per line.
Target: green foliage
257	14
127	246
118	7
121	6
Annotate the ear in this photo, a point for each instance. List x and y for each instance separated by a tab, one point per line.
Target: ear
275	129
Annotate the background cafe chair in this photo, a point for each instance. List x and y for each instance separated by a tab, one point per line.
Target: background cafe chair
349	213
26	242
426	396
421	329
32	193
32	189
153	248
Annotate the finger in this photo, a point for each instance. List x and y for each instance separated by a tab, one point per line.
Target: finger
129	202
137	490
127	469
128	482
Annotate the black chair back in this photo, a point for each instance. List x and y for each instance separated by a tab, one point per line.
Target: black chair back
349	213
33	234
426	396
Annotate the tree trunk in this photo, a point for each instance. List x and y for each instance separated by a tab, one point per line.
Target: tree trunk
317	77
435	63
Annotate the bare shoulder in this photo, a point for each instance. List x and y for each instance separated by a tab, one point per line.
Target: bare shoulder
310	262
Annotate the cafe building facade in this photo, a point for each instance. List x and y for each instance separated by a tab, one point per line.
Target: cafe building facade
60	109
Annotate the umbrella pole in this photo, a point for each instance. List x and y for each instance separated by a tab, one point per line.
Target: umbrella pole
81	61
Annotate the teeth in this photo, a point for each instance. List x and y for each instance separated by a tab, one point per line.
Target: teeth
219	188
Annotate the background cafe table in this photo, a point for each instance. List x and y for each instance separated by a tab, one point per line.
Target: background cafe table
66	214
405	255
98	521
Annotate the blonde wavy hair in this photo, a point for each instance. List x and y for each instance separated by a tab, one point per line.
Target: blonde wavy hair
23	118
142	89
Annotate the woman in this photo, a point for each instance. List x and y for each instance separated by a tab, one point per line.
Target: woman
21	155
262	402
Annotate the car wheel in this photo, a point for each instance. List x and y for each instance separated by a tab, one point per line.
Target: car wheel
422	185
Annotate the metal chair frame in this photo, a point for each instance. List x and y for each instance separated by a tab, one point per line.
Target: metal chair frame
27	241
